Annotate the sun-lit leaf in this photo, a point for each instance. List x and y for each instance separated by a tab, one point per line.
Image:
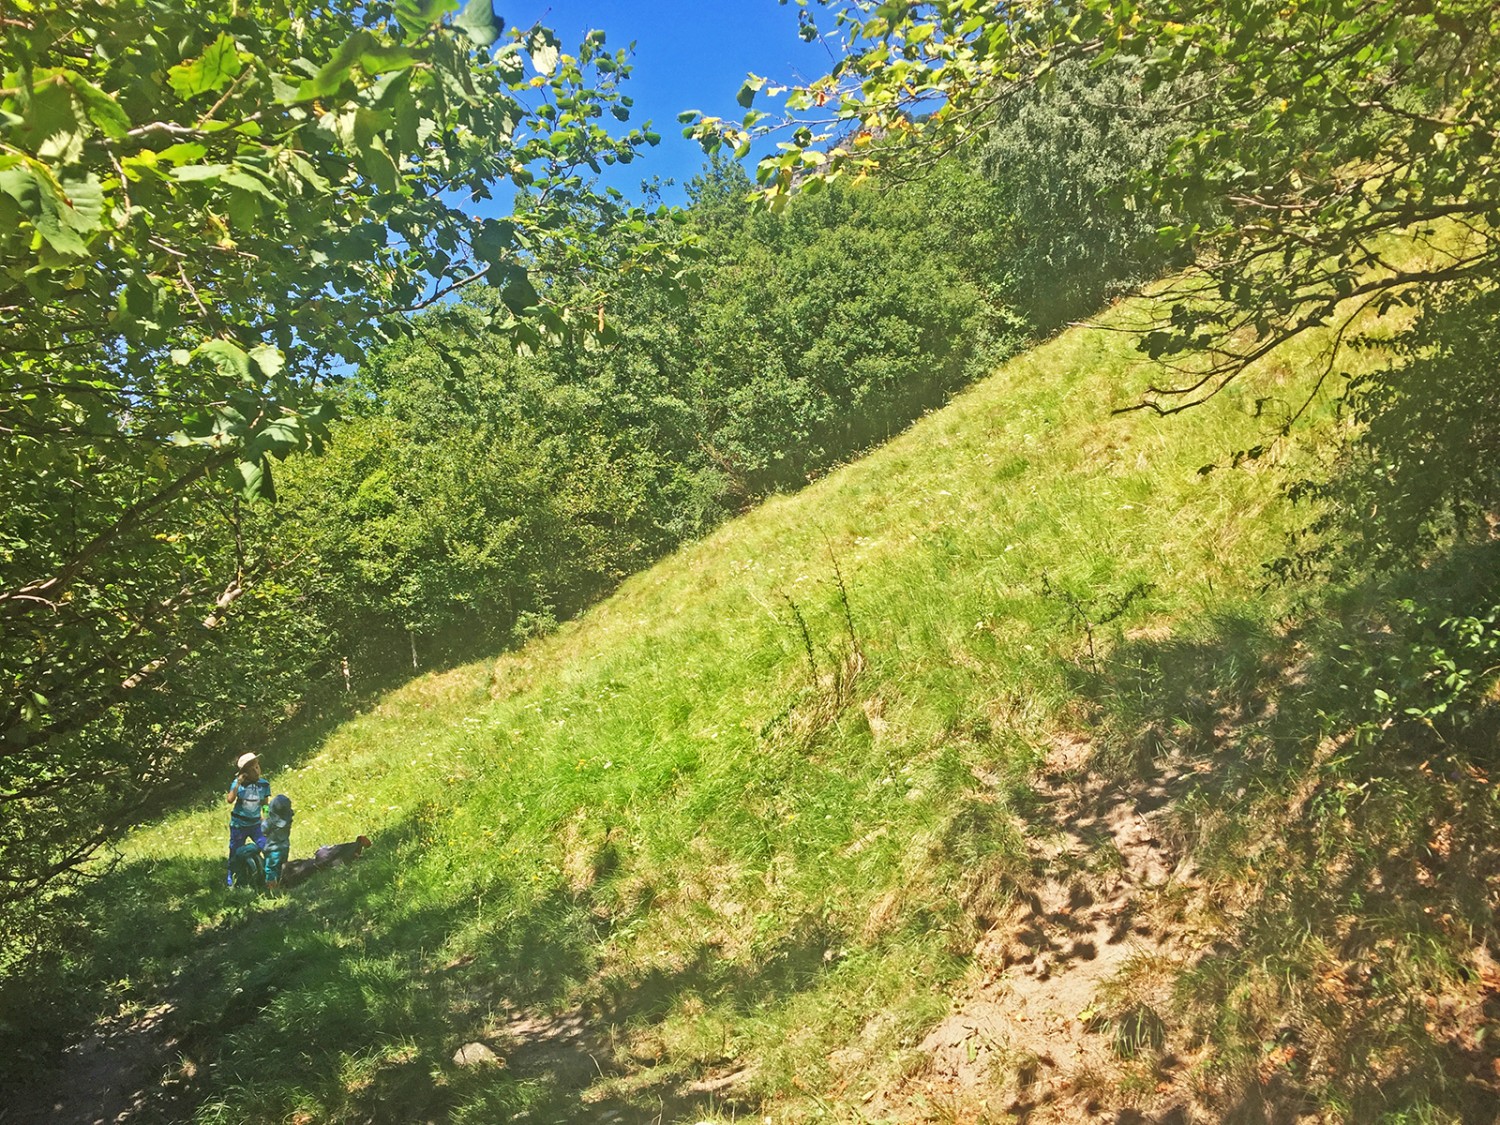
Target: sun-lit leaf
199	173
83	203
544	49
328	79
20	184
184	152
378	59
228	357
269	359
103	109
255	480
420	15
55	123
479	22
245	181
210	72
747	93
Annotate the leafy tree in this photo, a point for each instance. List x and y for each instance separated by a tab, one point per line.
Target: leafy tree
209	211
1331	127
1422	467
477	499
1331	124
831	325
475	492
1065	157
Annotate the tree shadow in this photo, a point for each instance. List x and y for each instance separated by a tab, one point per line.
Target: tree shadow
336	984
574	1065
1356	843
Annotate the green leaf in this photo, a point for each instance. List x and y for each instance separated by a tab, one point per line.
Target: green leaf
269	359
83	204
198	173
56	124
286	91
245	210
255	480
748	91
479	22
228	357
516	290
141	298
544	49
423	15
378	60
102	109
495	239
278	437
377	163
333	74
184	153
309	174
60	212
509	64
61	245
216	68
247	182
360	130
407	127
21	185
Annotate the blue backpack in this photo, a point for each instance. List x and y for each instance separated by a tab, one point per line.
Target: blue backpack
245	869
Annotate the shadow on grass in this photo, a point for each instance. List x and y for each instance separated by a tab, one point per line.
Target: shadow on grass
579	1065
1356	850
339	1000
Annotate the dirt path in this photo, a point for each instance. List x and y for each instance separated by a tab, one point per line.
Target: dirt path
1060	1001
109	1076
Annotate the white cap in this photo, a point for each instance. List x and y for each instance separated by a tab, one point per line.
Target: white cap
245	760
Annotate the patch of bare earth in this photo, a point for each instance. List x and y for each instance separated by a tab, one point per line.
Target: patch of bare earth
1056	1026
577	1056
109	1076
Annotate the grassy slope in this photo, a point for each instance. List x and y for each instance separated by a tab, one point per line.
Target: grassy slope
662	818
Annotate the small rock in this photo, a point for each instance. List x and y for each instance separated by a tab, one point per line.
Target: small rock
475	1054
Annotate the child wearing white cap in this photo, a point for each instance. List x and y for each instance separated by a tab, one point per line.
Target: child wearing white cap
248	793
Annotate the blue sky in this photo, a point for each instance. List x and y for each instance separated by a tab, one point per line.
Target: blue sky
689	55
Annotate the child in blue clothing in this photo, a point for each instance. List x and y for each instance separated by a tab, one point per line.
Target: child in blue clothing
278	839
248	794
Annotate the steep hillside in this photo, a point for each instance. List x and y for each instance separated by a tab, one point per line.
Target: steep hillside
969	783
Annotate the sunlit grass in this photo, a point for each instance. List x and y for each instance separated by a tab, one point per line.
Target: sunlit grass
662	813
